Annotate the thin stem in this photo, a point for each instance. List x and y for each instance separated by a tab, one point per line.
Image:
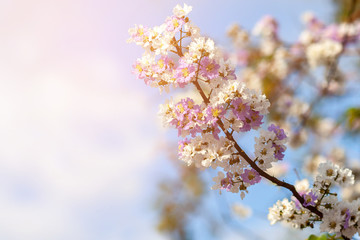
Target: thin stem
241	151
253	164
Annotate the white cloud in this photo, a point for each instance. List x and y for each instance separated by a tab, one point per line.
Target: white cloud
74	145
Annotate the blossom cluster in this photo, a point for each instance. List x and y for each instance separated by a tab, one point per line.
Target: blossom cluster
270	146
177	56
323	43
155	66
339	217
269	63
180	56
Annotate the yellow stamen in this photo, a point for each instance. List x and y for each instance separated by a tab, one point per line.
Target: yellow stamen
190	104
210	67
240	107
175	23
263	152
168	109
329	172
185	72
161	63
181	108
215	112
254	117
139	68
251	176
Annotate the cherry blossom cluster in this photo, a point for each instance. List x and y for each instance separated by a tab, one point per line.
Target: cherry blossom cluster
177	56
156	67
322	43
318	43
228	106
339	217
272	64
269	63
270	146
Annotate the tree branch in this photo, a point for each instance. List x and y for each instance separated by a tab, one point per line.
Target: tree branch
253	164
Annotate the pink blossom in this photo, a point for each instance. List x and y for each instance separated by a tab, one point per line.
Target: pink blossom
182	144
209	68
164	63
139	33
280	133
227	182
188	117
214	113
251	176
255	119
279	152
141	72
230	75
310	199
240	109
174	24
332	32
184	73
138	70
251	119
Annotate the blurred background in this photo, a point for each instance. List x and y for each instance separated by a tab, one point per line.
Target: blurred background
83	154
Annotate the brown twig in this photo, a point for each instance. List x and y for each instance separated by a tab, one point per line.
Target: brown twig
253	164
241	151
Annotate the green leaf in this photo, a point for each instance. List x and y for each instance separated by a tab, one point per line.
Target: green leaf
313	237
352	119
323	237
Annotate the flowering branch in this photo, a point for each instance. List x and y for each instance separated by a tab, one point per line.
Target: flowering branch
232	107
254	166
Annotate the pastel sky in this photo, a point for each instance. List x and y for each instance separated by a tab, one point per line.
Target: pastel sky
79	135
